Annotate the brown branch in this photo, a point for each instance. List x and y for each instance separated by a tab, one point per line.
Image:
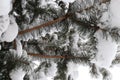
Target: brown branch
104	1
44	24
45	56
14	44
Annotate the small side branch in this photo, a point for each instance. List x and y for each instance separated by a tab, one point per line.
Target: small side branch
45	56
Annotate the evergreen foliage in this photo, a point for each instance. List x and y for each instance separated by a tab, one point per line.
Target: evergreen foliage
69	40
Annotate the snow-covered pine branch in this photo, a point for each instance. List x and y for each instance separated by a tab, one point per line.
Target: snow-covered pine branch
91	18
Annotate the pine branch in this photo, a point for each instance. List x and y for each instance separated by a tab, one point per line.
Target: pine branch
45	24
57	20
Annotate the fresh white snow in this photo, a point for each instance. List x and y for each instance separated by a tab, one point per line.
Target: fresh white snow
36	64
75	40
68	1
4	22
19	48
8	26
51	71
45	73
17	74
115	71
5	7
10	34
115	13
107	49
80	72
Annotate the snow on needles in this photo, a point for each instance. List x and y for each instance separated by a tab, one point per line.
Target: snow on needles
115	13
17	74
79	72
106	50
4	22
19	48
11	32
8	26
